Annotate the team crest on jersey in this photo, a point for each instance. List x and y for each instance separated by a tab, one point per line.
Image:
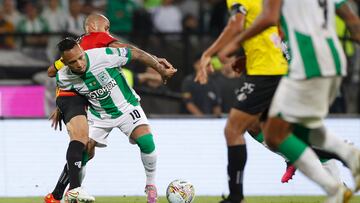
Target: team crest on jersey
103	77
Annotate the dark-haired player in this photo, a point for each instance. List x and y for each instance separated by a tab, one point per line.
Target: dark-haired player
73	106
96	74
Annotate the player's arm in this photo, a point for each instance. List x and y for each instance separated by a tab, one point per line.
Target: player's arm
165	71
162	66
54	68
351	19
234	26
269	17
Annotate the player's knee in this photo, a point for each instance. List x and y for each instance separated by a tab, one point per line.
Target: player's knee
146	143
232	132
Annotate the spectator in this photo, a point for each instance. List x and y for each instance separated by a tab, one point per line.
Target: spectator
6	42
120	14
32	23
201	99
11	14
54	15
190	23
75	21
167	18
190	7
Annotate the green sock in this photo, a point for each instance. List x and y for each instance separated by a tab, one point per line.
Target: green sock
292	148
146	143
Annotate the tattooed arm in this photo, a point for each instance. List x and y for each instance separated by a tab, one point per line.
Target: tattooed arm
351	19
165	69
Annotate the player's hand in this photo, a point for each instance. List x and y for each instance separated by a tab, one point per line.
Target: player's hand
55	118
165	63
167	72
204	68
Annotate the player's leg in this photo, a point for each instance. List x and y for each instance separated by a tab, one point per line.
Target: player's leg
298	102
144	139
237	154
253	98
324	156
324	139
63	181
74	116
278	136
136	126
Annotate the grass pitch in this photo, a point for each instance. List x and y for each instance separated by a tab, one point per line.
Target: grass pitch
199	199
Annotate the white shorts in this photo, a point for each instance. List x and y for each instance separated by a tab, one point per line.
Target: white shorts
305	102
99	129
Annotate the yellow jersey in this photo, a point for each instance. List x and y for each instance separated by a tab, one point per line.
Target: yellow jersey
263	52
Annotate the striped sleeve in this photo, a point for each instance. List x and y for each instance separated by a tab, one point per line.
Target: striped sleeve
118	56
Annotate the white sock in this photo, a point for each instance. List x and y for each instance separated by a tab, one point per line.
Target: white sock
332	168
149	162
323	139
309	164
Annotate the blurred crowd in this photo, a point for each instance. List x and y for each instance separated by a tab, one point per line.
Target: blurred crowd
35	27
126	16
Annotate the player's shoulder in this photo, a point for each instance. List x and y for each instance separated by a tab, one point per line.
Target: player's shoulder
96	51
65	77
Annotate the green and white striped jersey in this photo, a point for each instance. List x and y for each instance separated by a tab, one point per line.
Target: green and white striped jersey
315	49
103	82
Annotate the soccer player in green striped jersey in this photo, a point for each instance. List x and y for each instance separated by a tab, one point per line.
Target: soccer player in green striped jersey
96	74
303	97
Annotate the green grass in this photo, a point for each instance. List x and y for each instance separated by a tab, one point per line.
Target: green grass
202	199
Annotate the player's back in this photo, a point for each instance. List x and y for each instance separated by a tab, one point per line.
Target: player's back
314	45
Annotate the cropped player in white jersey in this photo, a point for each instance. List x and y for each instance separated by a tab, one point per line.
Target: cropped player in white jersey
303	97
97	75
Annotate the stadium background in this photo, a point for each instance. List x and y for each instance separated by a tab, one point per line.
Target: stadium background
189	147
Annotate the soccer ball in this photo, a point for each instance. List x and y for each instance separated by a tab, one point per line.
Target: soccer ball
180	191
